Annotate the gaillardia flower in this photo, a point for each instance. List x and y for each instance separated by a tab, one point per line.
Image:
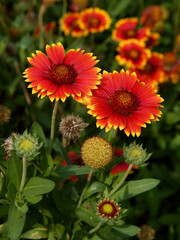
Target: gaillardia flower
127	29
96	152
152	40
132	53
135	154
108	209
95	20
26	145
70	25
123	101
151	15
59	76
153	71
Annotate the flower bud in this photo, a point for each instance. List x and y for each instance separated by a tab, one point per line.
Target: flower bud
26	146
135	154
108	209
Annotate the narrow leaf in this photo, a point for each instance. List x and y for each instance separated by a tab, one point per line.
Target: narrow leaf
37	131
87	216
125	230
36	233
134	188
59	148
94	188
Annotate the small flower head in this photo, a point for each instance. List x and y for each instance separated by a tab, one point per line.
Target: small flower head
26	146
135	154
5	114
132	53
96	152
108	209
146	233
8	145
95	20
71	127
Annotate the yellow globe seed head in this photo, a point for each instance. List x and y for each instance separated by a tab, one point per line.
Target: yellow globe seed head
96	152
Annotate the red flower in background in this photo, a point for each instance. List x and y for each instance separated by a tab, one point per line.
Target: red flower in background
121	167
75	160
151	15
122	101
153	72
171	67
127	29
59	76
70	24
132	53
95	20
152	40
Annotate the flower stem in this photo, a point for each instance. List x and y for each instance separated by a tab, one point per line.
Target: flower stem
53	125
23	175
85	188
122	180
96	228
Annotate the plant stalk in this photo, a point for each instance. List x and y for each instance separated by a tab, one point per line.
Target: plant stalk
96	228
23	174
122	180
85	188
53	125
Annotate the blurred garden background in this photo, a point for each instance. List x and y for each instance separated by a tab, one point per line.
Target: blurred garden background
27	26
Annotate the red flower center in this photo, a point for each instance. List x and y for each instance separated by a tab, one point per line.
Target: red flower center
124	102
149	68
108	209
94	23
62	74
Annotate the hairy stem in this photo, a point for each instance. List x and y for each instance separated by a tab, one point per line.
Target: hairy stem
122	180
85	188
53	125
23	174
96	228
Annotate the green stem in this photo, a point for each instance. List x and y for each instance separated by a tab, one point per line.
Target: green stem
23	174
96	228
53	125
85	188
122	180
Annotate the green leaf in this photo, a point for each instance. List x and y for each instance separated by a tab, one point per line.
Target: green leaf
94	188
37	186
105	233
134	188
4	210
34	199
170	219
60	230
12	192
67	171
3	227
126	230
37	131
46	163
14	171
57	146
87	216
16	220
2	186
36	233
116	8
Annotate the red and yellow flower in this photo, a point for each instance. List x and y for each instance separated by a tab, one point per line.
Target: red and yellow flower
59	76
171	66
123	166
95	20
152	40
70	24
132	53
122	101
153	71
108	209
151	15
127	29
